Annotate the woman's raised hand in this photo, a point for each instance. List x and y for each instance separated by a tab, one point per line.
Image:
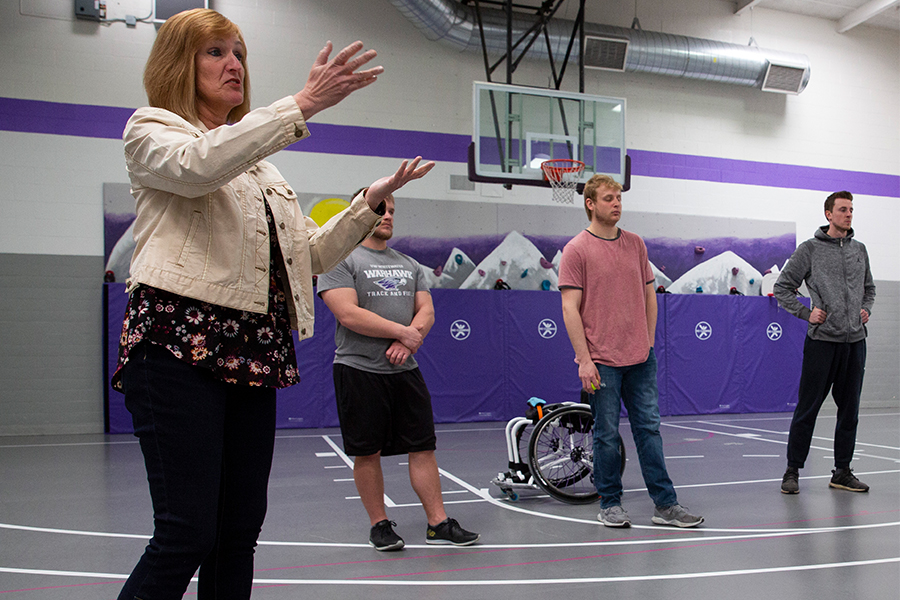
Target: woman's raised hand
386	186
330	81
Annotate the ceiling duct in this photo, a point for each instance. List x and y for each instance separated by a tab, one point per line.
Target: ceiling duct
614	48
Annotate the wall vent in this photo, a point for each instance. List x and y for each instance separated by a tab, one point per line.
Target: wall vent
783	79
605	53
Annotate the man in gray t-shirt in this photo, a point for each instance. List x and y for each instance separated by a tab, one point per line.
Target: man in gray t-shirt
383	309
386	283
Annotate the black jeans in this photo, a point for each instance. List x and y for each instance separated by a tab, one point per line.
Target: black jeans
207	448
834	366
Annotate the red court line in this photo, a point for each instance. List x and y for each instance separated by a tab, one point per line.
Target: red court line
864	513
663	534
466	552
62	587
556	560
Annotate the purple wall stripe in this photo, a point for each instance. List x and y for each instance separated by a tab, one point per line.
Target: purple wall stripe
704	168
82	120
34	116
388	143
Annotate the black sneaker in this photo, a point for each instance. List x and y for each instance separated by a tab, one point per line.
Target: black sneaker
844	479
383	538
790	483
449	532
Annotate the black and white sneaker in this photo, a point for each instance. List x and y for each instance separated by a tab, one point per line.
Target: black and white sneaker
790	483
383	538
449	532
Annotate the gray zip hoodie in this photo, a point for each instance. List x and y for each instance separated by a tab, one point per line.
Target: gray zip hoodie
836	271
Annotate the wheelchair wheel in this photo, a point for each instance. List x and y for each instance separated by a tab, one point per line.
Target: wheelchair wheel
561	455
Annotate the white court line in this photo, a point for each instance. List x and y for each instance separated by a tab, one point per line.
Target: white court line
507	506
738	534
816	437
757	438
787	417
446	502
742	436
753	481
135	536
387	501
762	456
676	457
580	580
745	534
504	582
66	573
66	444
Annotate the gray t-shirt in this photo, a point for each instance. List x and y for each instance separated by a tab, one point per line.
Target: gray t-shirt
386	282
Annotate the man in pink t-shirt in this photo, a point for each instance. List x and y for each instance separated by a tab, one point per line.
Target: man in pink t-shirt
609	307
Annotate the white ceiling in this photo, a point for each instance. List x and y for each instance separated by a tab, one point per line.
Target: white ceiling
845	13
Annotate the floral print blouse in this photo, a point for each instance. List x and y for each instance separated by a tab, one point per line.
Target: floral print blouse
237	346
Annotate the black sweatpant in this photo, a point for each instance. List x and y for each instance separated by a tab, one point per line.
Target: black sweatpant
838	367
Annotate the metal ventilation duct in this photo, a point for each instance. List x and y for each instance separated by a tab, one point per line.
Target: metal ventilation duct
616	48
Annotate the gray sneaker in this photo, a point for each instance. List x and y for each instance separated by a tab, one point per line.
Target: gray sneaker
676	515
614	516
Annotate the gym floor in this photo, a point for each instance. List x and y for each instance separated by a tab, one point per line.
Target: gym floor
75	515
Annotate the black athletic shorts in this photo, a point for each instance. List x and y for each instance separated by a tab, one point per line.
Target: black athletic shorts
383	412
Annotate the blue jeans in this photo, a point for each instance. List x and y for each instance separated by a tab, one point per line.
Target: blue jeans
636	386
207	448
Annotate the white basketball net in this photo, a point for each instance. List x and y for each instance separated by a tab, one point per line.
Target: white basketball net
563	175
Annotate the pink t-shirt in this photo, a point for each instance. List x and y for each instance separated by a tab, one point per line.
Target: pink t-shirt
613	276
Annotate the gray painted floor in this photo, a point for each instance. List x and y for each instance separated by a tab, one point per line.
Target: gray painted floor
75	514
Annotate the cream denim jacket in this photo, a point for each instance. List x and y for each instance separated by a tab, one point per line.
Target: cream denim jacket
201	227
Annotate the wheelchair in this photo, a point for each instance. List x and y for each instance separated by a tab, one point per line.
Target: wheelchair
560	452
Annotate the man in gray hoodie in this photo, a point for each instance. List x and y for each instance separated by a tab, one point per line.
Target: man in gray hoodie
836	270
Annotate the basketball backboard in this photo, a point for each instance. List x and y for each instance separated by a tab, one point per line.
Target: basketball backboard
516	128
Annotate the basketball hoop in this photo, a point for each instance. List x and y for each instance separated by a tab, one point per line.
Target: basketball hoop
563	175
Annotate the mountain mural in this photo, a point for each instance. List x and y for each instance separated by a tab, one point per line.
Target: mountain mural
519	262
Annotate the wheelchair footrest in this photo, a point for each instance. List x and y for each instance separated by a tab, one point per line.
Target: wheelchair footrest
516	477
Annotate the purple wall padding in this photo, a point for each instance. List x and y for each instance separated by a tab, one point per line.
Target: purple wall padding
311	403
464	359
540	358
703	374
662	363
772	352
118	419
730	354
490	351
